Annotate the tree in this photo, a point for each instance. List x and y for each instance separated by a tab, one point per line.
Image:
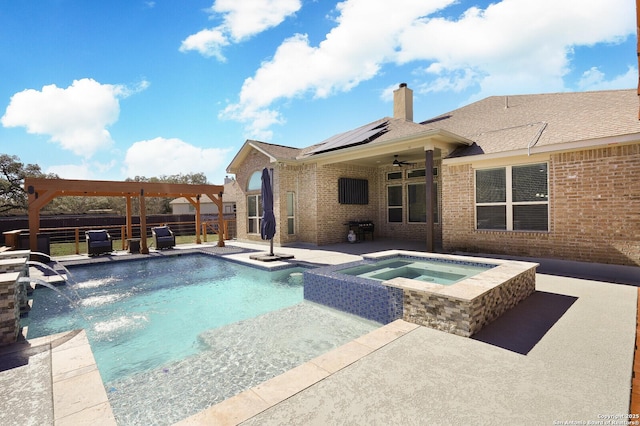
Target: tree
13	198
161	205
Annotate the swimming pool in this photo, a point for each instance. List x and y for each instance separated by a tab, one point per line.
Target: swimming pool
189	329
439	272
141	314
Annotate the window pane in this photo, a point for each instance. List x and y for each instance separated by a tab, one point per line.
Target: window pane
394	175
416	173
251	206
290	230
530	183
290	204
395	215
253	228
255	182
259	201
531	218
394	195
492	217
417	199
490	186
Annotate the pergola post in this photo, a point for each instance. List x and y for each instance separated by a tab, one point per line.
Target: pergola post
143	224
217	200
428	159
198	220
36	201
129	222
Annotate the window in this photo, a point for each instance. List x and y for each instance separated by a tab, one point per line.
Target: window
394	203
254	213
417	202
416	173
394	175
290	213
513	198
255	182
353	191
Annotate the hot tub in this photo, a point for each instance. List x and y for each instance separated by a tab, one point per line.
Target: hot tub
456	294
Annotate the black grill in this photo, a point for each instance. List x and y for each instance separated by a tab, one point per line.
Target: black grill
361	228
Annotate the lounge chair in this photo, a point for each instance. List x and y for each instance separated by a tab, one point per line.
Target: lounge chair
98	242
163	237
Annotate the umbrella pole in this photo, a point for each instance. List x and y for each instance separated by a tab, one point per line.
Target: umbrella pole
271	247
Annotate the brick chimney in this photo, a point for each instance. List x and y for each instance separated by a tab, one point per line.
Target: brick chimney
403	103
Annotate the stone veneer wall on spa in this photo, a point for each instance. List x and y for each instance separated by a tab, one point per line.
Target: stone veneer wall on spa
355	295
466	317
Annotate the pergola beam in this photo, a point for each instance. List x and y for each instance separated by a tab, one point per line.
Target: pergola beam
41	191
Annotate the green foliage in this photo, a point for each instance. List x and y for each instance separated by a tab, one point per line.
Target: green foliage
158	205
13	198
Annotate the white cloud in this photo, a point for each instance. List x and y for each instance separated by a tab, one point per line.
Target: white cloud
241	20
513	46
76	117
73	171
594	79
208	42
87	170
354	51
160	156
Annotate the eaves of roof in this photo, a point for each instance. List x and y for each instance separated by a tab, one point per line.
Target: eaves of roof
274	152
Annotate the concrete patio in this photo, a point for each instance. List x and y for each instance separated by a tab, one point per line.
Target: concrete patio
564	354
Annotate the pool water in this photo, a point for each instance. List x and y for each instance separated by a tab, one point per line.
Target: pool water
174	336
438	272
141	314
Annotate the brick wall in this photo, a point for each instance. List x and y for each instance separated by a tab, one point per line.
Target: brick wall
331	227
319	217
594	204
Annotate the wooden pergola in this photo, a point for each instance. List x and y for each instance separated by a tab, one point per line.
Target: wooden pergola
42	191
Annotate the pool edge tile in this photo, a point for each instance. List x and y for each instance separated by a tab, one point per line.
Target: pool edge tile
342	356
100	414
386	334
287	384
231	411
78	393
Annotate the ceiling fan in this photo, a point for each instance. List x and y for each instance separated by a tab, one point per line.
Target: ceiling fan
398	163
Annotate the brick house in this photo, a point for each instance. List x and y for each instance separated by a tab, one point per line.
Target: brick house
547	175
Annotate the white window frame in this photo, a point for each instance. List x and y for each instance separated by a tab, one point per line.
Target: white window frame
257	199
401	206
291	214
509	203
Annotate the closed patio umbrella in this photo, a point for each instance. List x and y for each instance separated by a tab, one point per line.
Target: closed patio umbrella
268	225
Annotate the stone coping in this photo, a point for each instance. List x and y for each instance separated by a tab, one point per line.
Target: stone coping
257	399
465	290
79	396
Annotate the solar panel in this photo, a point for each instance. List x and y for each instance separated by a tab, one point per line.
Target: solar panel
357	136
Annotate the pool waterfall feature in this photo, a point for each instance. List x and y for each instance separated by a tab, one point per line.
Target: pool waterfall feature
13	293
461	308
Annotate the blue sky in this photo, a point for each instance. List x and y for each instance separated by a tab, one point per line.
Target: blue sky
114	89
